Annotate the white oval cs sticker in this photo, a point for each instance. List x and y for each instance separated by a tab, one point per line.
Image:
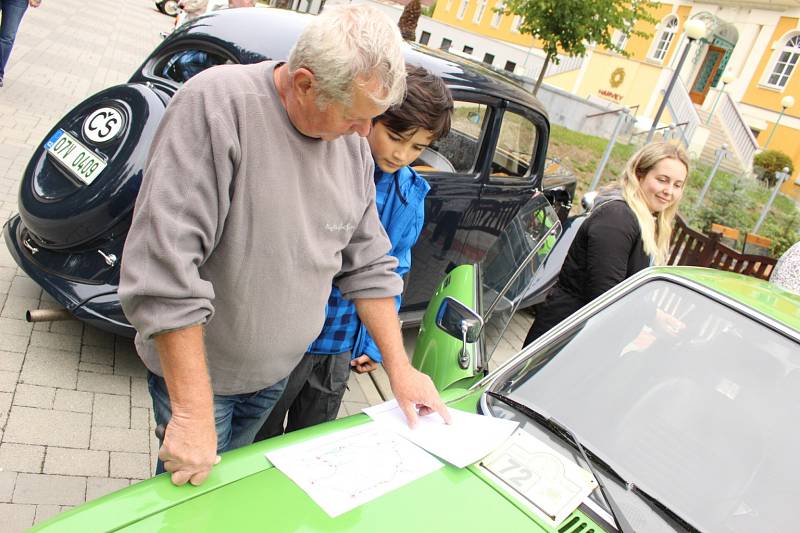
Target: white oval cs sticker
103	125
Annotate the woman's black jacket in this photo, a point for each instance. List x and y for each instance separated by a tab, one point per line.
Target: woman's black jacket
607	249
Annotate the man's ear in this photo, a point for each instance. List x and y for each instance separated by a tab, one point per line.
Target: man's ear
303	83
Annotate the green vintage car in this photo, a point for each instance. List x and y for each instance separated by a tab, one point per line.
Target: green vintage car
679	390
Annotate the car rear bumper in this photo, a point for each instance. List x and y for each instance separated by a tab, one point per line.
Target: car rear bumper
96	304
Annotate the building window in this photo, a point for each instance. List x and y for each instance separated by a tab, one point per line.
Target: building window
498	14
620	40
488	59
424	37
516	23
785	62
448	6
467	49
446	44
669	26
479	12
510	66
462	9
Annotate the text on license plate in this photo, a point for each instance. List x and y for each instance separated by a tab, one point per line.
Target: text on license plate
74	156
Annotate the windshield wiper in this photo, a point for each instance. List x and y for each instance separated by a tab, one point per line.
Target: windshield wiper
616	513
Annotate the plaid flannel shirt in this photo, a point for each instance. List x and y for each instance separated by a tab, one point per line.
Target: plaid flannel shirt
338	334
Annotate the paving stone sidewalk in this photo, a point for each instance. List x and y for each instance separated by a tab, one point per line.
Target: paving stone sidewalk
75	414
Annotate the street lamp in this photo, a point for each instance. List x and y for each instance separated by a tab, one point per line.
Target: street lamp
780	177
786	103
726	79
695	29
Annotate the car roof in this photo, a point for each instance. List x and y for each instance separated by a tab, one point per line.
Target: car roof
269	33
766	298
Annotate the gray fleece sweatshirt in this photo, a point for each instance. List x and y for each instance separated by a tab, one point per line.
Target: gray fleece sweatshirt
242	224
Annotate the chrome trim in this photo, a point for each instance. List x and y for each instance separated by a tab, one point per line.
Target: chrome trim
26	242
552	231
479	347
111	259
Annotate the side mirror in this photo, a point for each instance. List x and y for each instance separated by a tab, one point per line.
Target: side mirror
474	117
458	320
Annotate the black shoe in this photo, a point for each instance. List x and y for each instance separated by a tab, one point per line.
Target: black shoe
1	82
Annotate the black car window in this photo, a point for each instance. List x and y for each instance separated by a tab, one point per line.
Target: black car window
515	146
457	151
182	65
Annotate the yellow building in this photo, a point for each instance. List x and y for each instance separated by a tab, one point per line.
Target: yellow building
752	45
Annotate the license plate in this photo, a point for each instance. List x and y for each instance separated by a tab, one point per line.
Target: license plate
78	160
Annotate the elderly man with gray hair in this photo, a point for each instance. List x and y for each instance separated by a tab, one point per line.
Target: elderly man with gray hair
256	198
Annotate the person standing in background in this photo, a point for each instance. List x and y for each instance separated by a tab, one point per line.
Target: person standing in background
11	12
628	230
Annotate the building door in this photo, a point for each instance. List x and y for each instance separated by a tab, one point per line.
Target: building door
706	74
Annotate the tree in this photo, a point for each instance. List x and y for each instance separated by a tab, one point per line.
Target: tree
408	20
568	26
768	162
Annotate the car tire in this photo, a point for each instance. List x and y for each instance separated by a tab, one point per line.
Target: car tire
62	212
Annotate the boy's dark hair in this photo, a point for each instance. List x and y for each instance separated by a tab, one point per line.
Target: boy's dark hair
427	105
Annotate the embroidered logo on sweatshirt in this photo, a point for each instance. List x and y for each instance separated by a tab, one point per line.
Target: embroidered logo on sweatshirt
339	227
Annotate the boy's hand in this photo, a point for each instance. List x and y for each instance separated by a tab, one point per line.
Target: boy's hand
363	364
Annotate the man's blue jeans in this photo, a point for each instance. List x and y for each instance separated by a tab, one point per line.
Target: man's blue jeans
238	417
11	12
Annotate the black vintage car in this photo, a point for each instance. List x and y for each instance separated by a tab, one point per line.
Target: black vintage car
78	191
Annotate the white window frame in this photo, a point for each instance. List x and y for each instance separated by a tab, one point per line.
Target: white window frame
462	8
479	11
498	16
448	6
668	28
620	39
516	23
783	63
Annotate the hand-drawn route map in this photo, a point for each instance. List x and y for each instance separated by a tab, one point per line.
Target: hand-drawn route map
348	468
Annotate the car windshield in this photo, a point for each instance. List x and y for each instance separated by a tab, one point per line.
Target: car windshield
692	401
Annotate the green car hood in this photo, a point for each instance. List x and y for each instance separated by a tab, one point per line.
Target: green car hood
246	493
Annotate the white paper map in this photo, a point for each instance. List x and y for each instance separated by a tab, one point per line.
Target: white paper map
345	469
468	439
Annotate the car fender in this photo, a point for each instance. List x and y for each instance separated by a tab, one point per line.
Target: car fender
62	212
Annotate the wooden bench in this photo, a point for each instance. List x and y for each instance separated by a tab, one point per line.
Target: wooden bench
730	236
691	248
756	244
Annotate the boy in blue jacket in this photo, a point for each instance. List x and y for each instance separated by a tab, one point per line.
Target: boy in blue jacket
315	388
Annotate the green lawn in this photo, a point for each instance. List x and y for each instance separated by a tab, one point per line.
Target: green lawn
732	201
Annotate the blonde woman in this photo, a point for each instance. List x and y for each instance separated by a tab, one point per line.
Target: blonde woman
628	230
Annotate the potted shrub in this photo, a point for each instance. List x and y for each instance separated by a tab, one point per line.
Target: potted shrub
768	162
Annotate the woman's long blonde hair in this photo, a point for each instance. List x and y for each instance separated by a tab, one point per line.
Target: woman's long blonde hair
656	230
